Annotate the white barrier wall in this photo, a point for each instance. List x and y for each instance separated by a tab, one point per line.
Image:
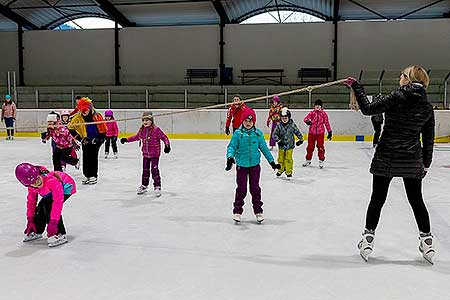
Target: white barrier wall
343	122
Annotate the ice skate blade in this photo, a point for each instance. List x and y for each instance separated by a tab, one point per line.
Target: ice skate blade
429	259
28	238
364	257
141	193
57	242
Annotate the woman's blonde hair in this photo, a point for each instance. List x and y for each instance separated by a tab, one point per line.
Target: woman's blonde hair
417	74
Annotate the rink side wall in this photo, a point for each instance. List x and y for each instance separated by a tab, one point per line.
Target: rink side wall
210	124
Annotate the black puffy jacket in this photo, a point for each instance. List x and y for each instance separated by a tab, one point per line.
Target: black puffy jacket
408	114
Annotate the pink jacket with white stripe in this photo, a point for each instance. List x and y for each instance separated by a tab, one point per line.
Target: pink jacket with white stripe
54	186
319	119
150	138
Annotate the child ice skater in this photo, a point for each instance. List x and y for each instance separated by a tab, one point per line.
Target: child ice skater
63	143
274	117
55	188
9	116
234	114
150	136
112	133
317	120
245	149
284	135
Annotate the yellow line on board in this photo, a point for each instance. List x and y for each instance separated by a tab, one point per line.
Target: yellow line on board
218	136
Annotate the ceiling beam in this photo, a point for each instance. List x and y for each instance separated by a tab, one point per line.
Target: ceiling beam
419	9
114	13
16	18
368	9
224	19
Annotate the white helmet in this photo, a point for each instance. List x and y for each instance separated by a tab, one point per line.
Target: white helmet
65	112
52	118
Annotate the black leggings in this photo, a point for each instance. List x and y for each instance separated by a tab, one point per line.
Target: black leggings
413	189
113	141
42	215
63	155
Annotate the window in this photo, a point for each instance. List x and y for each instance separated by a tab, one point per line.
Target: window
282	16
87	23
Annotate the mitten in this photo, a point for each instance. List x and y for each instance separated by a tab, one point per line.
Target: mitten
123	140
330	135
299	142
167	148
31	227
52	228
308	122
275	166
230	162
227	130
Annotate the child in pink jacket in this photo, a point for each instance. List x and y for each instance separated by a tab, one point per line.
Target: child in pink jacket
150	136
112	132
55	188
63	140
317	120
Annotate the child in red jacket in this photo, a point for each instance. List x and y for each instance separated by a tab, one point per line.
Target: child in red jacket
317	120
235	113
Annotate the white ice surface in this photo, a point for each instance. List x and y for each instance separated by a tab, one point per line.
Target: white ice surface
185	245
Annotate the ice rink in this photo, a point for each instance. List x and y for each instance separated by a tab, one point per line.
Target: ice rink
184	245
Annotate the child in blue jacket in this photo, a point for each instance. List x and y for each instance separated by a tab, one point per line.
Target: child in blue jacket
246	146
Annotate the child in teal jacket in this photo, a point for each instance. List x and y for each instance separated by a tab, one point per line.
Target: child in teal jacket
245	149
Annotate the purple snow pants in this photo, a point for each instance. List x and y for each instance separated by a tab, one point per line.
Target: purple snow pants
153	162
253	174
272	141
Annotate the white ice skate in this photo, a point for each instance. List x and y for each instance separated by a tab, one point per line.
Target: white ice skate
116	156
306	163
85	181
92	180
259	218
106	155
365	245
426	247
237	218
142	190
77	166
56	240
321	164
31	237
63	168
157	192
288	177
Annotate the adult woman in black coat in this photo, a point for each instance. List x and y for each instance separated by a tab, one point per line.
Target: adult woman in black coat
399	153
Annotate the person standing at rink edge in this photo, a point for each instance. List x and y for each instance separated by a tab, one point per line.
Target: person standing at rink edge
399	153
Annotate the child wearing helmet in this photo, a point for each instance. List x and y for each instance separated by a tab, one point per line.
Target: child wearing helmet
112	132
150	136
274	117
245	149
284	134
65	117
63	140
55	188
9	116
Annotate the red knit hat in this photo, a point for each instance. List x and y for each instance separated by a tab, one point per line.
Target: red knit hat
249	114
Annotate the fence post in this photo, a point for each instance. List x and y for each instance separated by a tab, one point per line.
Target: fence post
14	88
73	99
146	98
267	97
36	92
226	97
9	83
185	98
109	98
445	90
309	98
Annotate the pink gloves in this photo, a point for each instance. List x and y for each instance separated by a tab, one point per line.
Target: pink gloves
52	228
349	81
31	227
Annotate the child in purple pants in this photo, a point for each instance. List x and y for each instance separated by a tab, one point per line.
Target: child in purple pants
150	136
246	146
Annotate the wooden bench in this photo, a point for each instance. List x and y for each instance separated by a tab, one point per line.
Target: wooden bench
272	75
314	75
201	74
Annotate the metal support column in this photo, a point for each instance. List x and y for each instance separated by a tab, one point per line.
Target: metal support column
20	49
116	55
221	54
